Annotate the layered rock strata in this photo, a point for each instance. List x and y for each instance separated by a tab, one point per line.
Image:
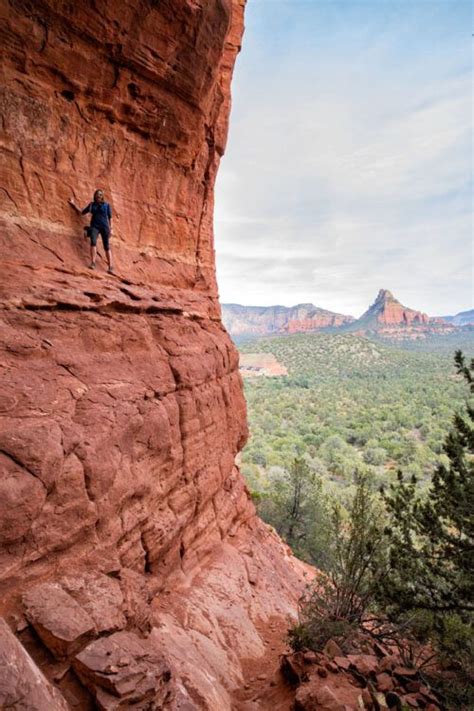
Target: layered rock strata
124	520
388	318
265	320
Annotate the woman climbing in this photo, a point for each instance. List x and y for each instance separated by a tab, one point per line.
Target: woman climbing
101	216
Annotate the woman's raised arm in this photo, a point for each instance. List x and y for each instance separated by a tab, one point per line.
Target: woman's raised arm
78	209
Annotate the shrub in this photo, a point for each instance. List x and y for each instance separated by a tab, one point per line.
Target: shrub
337	601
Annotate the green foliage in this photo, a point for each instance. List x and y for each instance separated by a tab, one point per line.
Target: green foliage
350	403
349	415
293	501
431	548
337	600
452	638
431	537
314	628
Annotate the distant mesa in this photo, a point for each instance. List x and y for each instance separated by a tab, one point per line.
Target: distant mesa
386	317
266	320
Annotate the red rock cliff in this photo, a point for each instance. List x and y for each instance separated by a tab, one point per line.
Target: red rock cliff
389	318
263	320
121	408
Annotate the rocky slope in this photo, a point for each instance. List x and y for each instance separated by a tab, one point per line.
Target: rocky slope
389	318
264	320
134	573
363	674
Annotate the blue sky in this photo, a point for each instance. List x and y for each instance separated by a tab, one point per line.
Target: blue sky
349	159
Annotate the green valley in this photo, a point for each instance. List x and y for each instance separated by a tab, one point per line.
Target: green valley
349	403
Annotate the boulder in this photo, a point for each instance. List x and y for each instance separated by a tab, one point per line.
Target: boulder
311	698
405	672
100	596
339	694
343	662
387	663
63	625
124	669
293	667
332	649
365	664
384	682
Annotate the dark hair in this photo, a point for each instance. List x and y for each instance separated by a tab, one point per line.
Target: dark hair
97	192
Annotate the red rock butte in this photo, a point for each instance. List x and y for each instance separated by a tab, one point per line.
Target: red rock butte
133	567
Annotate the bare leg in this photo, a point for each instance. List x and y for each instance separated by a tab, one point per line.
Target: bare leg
93	254
108	254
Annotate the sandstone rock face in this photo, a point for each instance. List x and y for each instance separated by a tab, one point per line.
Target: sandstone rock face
133	98
22	685
121	405
387	310
263	320
122	409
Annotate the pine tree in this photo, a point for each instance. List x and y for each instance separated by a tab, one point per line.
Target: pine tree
431	537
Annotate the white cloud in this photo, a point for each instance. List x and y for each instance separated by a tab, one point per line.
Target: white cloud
348	171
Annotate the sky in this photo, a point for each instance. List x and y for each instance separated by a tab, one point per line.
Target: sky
348	165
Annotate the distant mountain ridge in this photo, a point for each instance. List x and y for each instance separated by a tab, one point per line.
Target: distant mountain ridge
386	317
463	318
264	320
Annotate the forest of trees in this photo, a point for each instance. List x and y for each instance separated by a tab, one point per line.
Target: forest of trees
347	403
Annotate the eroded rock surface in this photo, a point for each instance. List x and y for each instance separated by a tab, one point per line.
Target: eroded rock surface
121	406
121	409
61	623
101	597
22	685
124	669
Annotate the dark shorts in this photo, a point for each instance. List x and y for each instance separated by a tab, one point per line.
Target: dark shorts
94	232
